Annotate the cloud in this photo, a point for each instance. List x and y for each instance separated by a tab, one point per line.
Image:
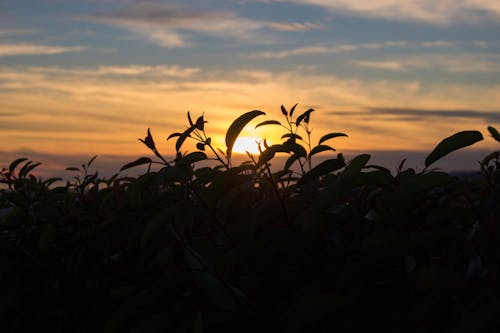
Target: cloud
104	109
36	49
342	48
172	25
443	12
397	114
451	63
390	65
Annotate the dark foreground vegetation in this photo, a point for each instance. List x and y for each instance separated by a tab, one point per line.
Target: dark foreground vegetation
335	246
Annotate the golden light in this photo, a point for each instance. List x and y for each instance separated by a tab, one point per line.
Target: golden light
246	144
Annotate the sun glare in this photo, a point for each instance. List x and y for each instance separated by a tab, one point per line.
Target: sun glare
245	143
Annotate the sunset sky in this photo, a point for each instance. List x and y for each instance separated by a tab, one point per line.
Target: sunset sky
86	77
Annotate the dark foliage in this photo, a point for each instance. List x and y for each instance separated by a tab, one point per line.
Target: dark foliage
336	246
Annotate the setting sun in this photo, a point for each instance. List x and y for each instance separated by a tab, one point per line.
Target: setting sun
246	144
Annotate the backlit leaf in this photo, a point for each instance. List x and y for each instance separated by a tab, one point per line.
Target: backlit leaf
234	130
452	143
319	149
139	161
268	122
494	133
330	136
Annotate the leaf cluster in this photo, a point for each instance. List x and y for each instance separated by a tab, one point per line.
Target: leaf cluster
319	245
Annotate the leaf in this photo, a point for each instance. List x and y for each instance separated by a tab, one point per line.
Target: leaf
323	168
26	169
268	122
330	136
200	146
319	149
190	120
192	158
91	160
290	161
293	109
234	130
292	136
452	143
283	110
183	137
139	161
173	135
304	117
494	133
148	141
14	164
200	123
73	169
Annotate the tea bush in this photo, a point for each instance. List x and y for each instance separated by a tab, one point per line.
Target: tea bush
315	246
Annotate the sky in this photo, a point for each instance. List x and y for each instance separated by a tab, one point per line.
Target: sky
87	77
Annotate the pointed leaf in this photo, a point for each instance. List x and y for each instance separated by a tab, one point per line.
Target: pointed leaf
292	159
293	109
452	143
190	120
92	160
200	123
183	137
73	169
234	130
323	168
25	170
14	164
330	136
292	136
139	161
283	110
268	122
494	133
319	149
173	135
192	158
303	117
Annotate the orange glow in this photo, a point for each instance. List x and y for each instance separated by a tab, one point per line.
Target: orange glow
246	144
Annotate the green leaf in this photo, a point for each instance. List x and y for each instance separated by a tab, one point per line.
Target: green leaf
14	164
268	122
330	136
494	133
319	149
139	161
452	143
234	130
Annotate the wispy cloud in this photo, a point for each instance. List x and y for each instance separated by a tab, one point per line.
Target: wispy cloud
36	49
441	12
341	48
398	114
172	25
451	63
